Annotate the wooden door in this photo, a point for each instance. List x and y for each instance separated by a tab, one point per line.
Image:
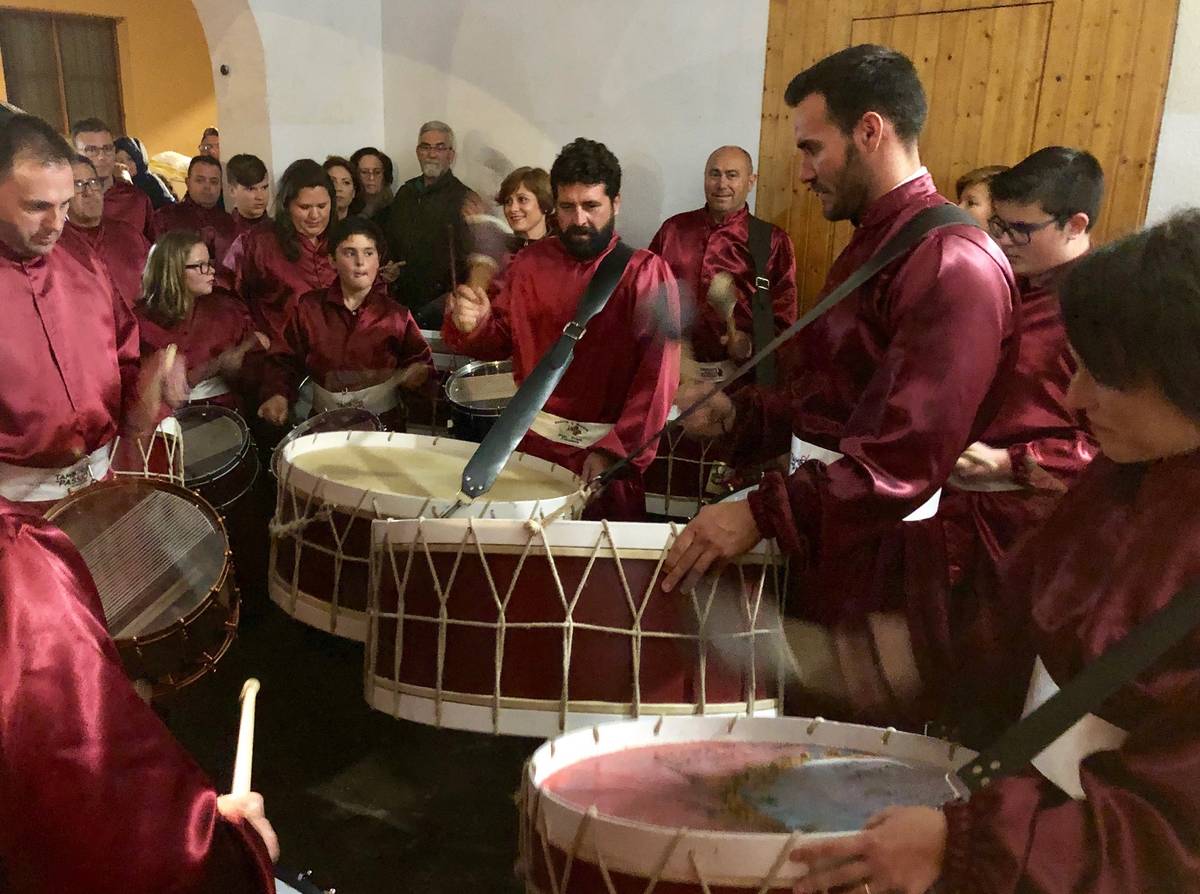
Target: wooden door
1003	78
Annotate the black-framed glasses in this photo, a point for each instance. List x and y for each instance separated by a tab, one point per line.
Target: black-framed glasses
1018	233
202	266
82	186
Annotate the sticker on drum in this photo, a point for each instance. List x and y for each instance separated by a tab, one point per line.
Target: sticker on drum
159	556
219	459
664	800
478	394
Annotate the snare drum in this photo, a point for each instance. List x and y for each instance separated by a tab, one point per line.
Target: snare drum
220	461
160	558
670	803
332	485
478	394
492	626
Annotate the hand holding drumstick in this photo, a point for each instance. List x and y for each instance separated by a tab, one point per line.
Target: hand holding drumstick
241	803
722	296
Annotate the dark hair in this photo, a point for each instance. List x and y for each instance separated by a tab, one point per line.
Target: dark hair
536	180
356	225
301	174
209	132
1132	310
245	170
203	160
88	125
30	135
84	160
1063	181
359	200
588	162
978	175
388	168
861	79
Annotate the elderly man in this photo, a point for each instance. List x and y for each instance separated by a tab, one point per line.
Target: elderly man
201	210
122	200
122	248
70	344
717	238
889	386
618	391
428	240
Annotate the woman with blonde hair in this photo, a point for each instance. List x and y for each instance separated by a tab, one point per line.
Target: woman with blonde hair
211	329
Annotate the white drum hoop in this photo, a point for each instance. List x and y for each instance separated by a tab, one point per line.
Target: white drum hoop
169	434
754	860
398	543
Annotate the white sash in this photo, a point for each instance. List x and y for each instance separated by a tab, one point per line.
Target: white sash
1059	763
803	450
379	399
568	431
25	484
691	370
213	386
984	487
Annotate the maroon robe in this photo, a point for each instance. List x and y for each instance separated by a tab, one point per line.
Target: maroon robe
214	225
899	377
95	794
131	206
123	251
246	224
625	370
343	349
219	322
1115	549
70	360
696	247
269	282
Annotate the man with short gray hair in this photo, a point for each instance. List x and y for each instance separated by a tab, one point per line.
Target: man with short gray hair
426	233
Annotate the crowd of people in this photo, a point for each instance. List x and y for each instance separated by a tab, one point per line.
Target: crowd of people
1038	392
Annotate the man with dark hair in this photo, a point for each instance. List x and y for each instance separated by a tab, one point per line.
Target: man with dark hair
618	390
885	390
122	248
200	210
427	235
210	143
249	190
122	200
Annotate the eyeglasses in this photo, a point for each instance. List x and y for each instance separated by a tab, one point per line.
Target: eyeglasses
82	186
202	266
1017	233
106	149
439	148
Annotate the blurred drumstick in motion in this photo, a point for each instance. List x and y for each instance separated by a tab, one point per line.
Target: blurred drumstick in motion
722	297
245	745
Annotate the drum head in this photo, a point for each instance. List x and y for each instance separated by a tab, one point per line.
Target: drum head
214	441
156	551
342	419
483	387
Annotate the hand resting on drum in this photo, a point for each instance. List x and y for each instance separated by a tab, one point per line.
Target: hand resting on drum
468	307
714	419
250	807
718	533
274	410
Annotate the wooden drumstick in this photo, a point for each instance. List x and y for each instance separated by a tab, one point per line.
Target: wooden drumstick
722	297
245	745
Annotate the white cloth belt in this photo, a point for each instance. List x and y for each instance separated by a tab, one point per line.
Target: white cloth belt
803	450
1059	763
213	386
691	370
25	484
378	399
568	431
984	487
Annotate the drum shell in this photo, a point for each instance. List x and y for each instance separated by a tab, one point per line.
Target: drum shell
473	422
225	486
650	649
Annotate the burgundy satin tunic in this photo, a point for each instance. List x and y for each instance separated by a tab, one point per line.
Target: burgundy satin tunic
899	377
246	224
1115	549
269	282
123	251
625	370
214	226
95	794
343	349
70	360
696	247
131	206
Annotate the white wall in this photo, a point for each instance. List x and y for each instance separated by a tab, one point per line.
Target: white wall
1176	181
661	82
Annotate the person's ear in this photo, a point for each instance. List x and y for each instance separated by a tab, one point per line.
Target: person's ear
868	133
1076	225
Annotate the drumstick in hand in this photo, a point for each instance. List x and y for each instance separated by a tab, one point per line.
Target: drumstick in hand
245	745
723	299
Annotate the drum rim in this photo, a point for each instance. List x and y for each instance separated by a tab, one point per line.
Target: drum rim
757	851
467	371
291	437
215	410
